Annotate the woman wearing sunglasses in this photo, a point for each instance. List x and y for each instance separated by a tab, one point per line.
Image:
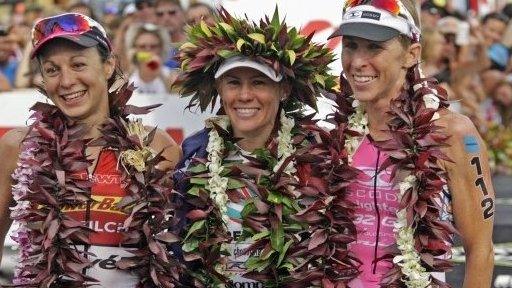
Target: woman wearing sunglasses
422	166
89	185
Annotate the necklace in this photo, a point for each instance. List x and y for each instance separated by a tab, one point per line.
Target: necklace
52	152
414	148
292	214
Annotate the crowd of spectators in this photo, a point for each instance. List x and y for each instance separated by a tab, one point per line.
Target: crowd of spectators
469	54
146	33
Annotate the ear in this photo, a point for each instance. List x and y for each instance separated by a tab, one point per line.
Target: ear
109	67
218	88
413	55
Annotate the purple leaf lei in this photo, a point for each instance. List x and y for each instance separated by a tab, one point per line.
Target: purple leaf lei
51	153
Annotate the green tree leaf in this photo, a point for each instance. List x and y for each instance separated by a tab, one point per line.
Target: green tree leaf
190	245
258	37
198	225
205	29
283	251
277	238
290	54
234	184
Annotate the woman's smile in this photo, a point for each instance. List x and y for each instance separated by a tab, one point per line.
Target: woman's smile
74	98
363	79
246	112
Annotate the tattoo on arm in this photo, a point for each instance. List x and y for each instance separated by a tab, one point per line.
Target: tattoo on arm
476	161
488	203
480	182
488	206
471	144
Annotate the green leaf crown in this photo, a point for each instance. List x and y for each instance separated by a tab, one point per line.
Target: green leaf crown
303	63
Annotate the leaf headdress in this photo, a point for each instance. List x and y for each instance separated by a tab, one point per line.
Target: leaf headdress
303	63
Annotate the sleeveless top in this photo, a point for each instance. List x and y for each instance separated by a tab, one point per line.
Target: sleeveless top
238	257
195	146
377	200
106	220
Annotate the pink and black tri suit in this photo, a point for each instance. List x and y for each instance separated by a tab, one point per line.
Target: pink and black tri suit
377	199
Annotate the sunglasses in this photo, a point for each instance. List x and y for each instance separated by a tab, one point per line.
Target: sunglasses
64	24
391	6
168	12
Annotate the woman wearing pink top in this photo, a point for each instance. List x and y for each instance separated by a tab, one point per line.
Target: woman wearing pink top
420	164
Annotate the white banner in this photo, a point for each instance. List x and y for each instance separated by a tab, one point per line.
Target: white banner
171	116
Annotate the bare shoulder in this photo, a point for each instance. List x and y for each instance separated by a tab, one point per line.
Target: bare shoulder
456	124
465	140
162	141
10	141
10	145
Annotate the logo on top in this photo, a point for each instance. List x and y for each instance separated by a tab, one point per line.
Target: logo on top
362	14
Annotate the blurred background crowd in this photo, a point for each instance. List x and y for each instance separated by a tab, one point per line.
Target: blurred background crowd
466	50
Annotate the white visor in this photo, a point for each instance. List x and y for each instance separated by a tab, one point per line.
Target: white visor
242	61
369	22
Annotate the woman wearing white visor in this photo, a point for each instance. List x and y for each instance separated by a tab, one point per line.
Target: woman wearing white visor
263	199
422	167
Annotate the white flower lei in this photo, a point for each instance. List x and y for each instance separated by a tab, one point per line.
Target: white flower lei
358	122
409	259
217	184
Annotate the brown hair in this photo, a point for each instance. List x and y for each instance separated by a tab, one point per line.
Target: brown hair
410	5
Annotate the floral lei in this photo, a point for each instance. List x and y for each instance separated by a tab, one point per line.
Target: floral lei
52	154
415	148
299	220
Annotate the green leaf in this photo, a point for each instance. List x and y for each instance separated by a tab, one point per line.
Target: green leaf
320	79
258	37
277	238
275	198
194	191
252	263
275	18
188	45
205	29
234	184
227	28
287	201
293	227
260	235
198	225
239	43
256	264
288	266
191	245
283	251
199	181
248	209
226	53
290	54
199	168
